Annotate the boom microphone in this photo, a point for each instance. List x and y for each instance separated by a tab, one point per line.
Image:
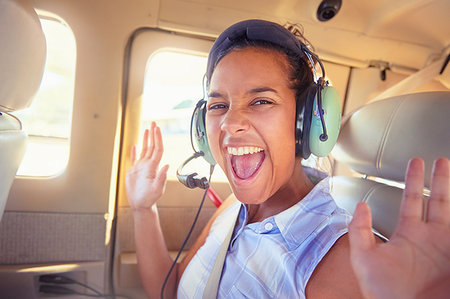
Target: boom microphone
192	180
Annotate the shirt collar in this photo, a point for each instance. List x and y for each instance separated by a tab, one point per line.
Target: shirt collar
298	222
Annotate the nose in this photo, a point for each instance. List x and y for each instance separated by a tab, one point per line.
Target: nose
234	122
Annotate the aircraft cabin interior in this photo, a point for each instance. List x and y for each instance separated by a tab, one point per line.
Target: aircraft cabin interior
81	80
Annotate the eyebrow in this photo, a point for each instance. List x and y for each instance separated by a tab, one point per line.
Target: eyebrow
216	94
261	89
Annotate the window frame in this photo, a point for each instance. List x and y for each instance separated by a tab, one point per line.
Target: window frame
36	141
145	43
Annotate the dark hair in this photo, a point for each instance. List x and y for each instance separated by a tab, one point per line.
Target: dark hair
300	72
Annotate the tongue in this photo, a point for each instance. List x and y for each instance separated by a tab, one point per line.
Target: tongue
246	165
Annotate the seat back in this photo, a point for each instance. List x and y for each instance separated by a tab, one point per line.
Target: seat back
22	61
378	140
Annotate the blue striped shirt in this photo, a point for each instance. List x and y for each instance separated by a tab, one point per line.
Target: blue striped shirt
270	259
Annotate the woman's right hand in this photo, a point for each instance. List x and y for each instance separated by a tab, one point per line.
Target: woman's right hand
144	183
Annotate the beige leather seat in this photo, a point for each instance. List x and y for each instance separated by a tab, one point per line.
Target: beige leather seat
378	140
22	61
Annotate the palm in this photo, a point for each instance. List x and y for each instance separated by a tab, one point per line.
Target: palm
417	258
144	183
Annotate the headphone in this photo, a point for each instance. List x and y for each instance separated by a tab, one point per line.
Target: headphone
193	180
318	109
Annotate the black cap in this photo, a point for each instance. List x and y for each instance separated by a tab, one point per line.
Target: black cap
253	30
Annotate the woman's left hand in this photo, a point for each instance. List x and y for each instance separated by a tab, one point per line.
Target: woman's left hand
415	262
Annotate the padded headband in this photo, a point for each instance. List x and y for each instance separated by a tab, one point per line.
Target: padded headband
253	30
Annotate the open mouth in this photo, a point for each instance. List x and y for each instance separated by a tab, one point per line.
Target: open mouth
246	160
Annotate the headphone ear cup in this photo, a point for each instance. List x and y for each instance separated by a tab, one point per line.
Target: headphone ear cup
303	122
199	128
332	116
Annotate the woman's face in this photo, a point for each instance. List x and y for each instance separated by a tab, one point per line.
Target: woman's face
250	122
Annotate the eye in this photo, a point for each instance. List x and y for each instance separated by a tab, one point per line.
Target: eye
217	106
262	102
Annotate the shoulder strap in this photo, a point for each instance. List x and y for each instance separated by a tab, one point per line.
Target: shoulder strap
414	81
212	284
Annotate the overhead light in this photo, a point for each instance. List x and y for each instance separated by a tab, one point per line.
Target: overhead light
328	9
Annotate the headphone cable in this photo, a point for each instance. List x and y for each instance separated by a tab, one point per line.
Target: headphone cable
188	235
324	136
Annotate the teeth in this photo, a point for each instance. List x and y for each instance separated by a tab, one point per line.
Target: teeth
244	150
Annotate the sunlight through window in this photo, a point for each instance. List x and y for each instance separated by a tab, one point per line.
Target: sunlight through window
47	121
172	87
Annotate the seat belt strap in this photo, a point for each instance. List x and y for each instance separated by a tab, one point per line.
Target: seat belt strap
414	81
212	284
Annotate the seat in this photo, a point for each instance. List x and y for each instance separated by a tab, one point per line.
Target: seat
377	141
22	61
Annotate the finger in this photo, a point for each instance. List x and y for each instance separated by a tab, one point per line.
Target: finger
411	207
439	203
151	147
158	148
144	144
360	230
133	154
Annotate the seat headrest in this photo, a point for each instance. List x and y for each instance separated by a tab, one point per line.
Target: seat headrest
22	59
379	138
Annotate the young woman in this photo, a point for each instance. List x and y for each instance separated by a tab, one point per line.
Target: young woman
290	239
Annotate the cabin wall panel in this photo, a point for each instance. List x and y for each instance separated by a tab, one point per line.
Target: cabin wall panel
33	238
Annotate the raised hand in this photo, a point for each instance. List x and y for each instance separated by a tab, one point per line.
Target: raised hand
144	183
415	263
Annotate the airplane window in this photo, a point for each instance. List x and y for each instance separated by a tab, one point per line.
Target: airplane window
48	120
172	87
